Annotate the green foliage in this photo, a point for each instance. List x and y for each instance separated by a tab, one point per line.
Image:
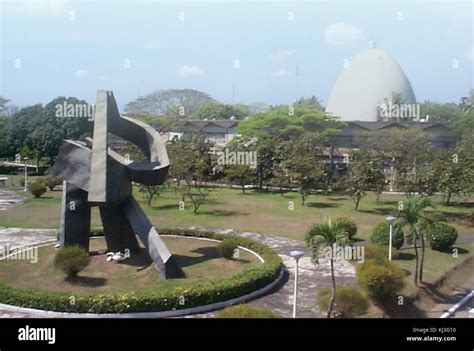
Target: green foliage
453	169
441	236
244	311
367	174
301	163
382	280
227	248
349	226
37	189
289	123
168	102
52	182
71	260
349	302
379	252
381	236
326	235
217	111
161	298
191	167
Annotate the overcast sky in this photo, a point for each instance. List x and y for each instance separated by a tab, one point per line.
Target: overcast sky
74	48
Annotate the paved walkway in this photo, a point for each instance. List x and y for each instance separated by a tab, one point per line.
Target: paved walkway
9	199
311	277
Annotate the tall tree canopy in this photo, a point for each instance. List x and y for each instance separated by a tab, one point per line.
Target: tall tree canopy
289	122
179	103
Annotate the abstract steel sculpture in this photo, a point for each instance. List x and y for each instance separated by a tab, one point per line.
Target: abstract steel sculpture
95	175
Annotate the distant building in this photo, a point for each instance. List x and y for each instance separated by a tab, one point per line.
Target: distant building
438	134
217	132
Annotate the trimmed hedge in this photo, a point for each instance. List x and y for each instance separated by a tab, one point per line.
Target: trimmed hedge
227	248
349	225
244	311
380	235
349	302
160	298
441	236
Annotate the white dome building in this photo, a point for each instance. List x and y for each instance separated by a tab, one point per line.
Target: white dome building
371	79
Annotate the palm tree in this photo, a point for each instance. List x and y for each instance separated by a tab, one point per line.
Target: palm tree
326	235
412	215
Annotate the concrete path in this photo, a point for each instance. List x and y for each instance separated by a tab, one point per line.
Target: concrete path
312	277
9	199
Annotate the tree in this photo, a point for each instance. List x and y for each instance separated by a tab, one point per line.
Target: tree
240	175
367	174
407	150
301	159
327	235
220	111
149	191
180	104
453	169
3	108
412	215
289	123
191	163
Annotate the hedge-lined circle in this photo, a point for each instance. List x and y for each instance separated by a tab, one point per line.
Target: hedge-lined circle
160	298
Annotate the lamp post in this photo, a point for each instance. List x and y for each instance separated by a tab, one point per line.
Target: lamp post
390	220
26	173
391	174
296	254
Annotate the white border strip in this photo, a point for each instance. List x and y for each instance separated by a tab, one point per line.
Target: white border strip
216	241
458	305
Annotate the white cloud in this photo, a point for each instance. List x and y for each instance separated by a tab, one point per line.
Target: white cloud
281	56
152	44
189	71
37	8
80	73
280	73
342	34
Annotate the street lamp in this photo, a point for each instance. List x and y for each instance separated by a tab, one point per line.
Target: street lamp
296	254
26	173
390	220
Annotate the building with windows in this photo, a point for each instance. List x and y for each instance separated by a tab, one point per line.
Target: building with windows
217	132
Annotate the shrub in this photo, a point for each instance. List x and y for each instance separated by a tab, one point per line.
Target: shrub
379	252
441	236
244	311
349	302
163	297
349	225
71	260
52	182
381	279
21	181
380	235
37	189
227	248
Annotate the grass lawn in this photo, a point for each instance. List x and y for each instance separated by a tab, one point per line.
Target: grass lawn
436	263
199	260
267	213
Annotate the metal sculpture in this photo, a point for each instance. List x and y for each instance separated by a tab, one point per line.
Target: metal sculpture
95	175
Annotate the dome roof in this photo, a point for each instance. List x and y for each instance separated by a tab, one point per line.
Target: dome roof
370	80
